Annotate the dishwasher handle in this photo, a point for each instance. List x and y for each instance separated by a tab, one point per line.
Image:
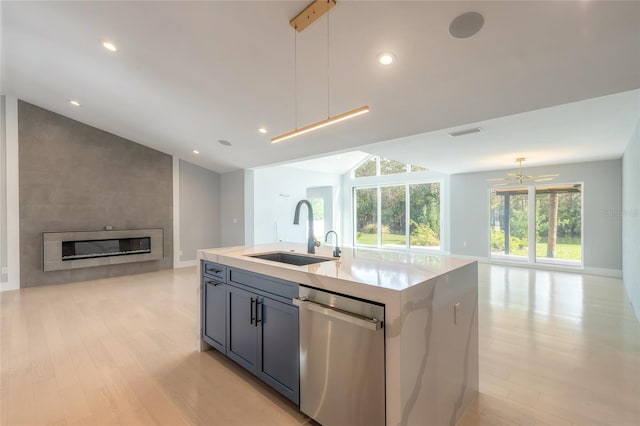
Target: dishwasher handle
359	320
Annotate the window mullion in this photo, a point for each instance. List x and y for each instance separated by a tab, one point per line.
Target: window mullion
532	223
379	224
407	216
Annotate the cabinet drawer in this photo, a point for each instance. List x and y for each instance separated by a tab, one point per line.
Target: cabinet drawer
282	288
214	270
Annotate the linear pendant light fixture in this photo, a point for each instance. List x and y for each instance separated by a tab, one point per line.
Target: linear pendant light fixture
305	18
326	122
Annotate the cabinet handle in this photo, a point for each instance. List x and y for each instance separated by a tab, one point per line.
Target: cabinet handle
214	271
350	317
251	311
258	309
214	283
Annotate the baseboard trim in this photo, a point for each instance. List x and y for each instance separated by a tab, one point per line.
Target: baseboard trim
7	286
602	272
614	273
185	264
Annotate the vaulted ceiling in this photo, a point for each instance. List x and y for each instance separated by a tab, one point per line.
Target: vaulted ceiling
187	74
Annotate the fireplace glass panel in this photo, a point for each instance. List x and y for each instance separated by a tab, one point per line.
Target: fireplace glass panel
103	248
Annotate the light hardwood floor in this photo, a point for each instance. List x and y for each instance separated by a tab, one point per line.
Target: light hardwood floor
555	348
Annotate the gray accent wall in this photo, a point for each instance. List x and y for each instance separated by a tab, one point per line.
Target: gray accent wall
631	220
199	209
232	208
602	201
74	177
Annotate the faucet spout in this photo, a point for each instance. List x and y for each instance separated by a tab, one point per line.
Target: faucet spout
336	251
311	241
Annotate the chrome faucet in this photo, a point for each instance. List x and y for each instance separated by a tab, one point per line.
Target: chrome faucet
311	241
336	251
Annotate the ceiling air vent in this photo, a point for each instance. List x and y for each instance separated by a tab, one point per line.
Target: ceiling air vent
465	132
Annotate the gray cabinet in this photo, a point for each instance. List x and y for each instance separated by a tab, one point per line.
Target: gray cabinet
242	328
259	324
215	314
214	309
279	347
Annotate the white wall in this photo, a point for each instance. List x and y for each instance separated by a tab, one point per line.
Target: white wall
249	207
199	214
10	215
277	190
3	193
631	220
602	201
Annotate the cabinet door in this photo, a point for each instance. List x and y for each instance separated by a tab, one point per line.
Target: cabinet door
215	314
242	331
279	349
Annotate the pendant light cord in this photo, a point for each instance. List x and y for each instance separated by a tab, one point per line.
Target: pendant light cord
295	77
328	58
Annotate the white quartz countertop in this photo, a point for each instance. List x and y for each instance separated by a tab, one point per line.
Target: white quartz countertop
385	270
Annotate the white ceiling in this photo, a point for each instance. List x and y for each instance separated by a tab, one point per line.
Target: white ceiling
589	130
190	73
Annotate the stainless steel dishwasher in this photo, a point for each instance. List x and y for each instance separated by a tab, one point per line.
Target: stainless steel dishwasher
342	378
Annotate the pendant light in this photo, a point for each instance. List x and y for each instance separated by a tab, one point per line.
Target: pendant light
305	18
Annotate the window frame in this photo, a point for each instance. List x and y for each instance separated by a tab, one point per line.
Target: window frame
398	179
532	259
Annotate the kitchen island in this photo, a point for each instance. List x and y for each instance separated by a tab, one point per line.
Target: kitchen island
430	324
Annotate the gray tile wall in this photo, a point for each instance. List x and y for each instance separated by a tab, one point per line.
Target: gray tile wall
74	177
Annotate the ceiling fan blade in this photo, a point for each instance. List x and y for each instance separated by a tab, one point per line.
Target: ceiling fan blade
496	179
542	180
546	176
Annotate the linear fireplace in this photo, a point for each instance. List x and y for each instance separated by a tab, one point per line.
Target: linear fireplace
82	249
101	248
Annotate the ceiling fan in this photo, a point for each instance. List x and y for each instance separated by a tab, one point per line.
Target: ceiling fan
520	177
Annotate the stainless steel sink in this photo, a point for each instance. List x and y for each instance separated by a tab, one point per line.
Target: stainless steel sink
290	258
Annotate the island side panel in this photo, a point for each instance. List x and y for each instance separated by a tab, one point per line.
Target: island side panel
393	327
201	345
439	348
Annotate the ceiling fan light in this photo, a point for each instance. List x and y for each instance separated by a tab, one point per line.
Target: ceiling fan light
520	177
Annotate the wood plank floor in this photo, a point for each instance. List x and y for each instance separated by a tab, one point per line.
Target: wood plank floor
555	349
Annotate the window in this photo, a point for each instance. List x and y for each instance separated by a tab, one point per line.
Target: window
510	222
366	206
321	199
559	223
551	215
391	167
424	215
402	216
380	166
393	215
368	168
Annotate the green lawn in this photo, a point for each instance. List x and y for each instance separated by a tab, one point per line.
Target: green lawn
372	239
563	251
387	239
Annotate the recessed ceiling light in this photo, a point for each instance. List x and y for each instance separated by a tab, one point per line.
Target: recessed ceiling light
195	151
74	103
223	142
386	58
262	130
109	46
